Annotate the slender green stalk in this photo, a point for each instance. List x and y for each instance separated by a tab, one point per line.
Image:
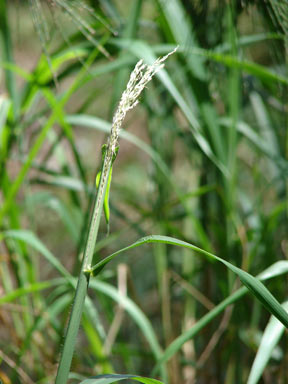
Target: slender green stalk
140	76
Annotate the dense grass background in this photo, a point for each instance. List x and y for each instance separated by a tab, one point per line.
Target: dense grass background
203	158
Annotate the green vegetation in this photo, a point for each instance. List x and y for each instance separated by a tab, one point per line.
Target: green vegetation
121	274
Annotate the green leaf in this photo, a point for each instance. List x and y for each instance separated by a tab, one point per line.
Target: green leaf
252	283
104	126
70	215
270	339
29	238
43	72
5	105
133	310
246	40
97	181
182	30
36	287
276	269
108	379
266	75
4	108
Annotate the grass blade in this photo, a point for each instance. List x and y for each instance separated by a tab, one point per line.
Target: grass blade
252	283
108	379
268	76
134	311
270	339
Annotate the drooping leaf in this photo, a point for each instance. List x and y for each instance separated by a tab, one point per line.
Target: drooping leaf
108	379
252	283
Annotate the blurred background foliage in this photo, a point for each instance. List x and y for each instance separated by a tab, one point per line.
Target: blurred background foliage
202	158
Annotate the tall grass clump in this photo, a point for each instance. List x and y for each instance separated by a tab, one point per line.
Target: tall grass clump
176	267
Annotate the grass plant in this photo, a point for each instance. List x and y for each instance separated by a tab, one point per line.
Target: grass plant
139	78
198	200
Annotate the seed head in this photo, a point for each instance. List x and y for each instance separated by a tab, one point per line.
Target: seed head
140	76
